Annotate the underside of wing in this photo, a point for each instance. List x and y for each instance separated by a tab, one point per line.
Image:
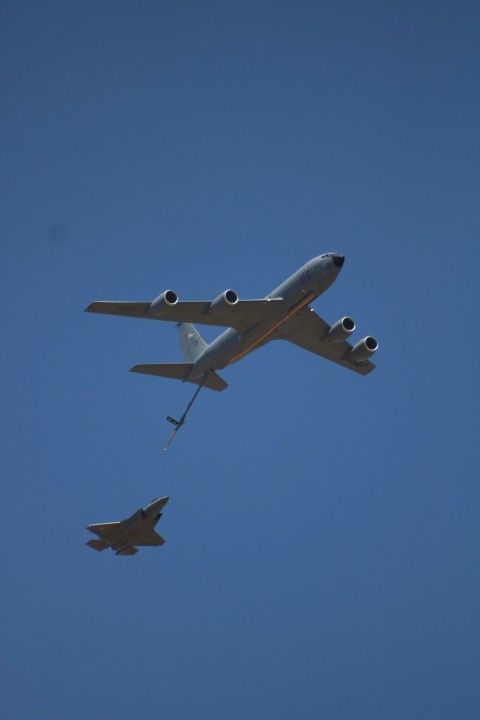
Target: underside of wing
309	331
241	315
128	309
151	539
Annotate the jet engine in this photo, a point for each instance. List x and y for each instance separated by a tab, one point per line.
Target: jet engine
363	349
223	302
341	330
163	302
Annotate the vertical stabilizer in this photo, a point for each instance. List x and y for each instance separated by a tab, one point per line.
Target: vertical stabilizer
191	341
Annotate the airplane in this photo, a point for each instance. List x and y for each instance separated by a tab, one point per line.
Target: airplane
284	314
138	529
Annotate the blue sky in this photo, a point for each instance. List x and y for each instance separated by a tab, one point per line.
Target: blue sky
323	533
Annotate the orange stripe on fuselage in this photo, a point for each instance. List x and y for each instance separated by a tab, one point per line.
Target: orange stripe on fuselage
294	310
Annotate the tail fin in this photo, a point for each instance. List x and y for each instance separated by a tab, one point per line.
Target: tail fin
191	341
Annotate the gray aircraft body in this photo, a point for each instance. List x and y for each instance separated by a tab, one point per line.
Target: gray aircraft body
125	535
284	314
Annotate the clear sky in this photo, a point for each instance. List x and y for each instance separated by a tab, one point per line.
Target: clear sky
323	535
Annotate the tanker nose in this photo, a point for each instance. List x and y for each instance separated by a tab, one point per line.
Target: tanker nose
338	260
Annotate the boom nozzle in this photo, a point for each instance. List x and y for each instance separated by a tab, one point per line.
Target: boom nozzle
178	423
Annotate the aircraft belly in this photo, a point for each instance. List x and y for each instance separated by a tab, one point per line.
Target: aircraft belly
129	535
262	333
119	540
218	354
305	281
252	340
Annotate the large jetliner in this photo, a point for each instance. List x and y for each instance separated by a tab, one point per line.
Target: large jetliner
283	315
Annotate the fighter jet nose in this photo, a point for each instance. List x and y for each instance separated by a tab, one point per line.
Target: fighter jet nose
338	260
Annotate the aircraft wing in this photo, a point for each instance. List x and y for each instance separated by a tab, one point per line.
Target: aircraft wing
240	316
151	539
104	530
307	330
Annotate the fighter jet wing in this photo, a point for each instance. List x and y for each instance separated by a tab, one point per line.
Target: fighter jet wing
242	315
151	539
307	329
104	530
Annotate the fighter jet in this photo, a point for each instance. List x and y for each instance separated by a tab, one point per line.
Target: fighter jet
284	314
123	536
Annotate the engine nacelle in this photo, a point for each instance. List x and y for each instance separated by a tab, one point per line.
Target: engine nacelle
363	349
223	302
342	329
163	302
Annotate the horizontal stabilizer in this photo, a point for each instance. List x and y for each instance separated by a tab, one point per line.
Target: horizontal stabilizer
179	371
97	544
213	382
130	550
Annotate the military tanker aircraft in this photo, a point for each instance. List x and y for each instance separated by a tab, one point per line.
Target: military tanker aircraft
284	314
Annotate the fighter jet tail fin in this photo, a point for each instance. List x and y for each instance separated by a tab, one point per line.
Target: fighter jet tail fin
191	341
179	371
